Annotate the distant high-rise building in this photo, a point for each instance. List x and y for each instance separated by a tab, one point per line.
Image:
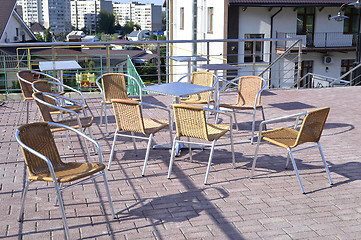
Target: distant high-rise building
50	13
147	16
84	13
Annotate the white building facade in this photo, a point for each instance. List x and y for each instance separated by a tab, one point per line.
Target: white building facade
147	16
84	13
328	47
50	13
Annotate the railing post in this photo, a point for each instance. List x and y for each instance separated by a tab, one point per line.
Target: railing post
108	58
254	57
299	64
159	63
208	55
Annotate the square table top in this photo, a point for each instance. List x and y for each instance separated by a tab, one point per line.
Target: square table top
59	65
178	89
188	58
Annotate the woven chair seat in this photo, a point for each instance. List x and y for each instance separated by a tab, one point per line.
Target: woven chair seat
215	131
238	106
85	122
68	172
154	125
283	137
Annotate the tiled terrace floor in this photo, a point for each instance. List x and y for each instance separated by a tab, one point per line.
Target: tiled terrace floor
232	206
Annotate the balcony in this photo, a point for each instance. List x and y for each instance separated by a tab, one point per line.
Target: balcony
321	40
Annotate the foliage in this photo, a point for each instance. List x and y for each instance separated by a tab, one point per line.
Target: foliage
129	27
152	37
105	22
47	35
39	37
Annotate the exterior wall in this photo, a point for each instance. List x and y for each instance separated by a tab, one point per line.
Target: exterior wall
15	32
185	49
31	11
147	16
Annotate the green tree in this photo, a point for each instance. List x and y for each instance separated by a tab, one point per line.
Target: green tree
105	23
152	37
39	37
129	27
47	35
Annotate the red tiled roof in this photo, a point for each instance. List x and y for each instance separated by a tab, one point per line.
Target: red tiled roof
287	3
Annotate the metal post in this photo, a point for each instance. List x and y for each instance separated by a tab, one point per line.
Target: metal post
357	73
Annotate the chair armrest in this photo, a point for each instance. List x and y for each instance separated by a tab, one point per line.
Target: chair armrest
70	88
278	119
220	112
82	135
47	75
56	97
61	109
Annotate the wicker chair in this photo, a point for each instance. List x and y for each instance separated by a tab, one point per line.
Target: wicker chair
26	78
289	138
114	86
207	79
248	97
190	121
129	118
44	164
49	86
76	122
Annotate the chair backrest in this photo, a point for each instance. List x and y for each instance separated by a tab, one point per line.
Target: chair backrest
44	109
312	126
206	79
25	86
190	121
38	137
128	115
114	86
44	86
248	87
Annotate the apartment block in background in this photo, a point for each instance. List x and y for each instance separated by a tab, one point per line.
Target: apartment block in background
147	16
84	13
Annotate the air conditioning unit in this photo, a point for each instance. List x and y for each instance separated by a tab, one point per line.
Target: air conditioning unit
327	60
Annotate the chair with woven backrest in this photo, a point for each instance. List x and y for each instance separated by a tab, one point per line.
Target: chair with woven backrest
44	163
114	86
248	97
129	118
26	78
206	79
191	122
77	122
289	138
49	86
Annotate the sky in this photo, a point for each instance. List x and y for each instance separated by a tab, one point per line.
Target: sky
156	2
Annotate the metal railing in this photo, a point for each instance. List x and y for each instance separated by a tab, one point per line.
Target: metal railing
156	67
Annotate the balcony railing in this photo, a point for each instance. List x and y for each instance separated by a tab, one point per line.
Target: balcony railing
320	39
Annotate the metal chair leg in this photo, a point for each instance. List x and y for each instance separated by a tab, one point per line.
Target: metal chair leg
60	199
112	151
190	150
21	212
295	169
209	162
108	193
287	161
235	119
147	153
21	111
255	156
134	144
253	124
172	156
232	149
325	163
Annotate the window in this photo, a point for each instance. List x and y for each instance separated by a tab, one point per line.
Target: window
346	65
305	20
253	49
210	20
350	24
181	24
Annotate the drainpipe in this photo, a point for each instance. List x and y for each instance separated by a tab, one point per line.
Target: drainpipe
271	42
194	29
